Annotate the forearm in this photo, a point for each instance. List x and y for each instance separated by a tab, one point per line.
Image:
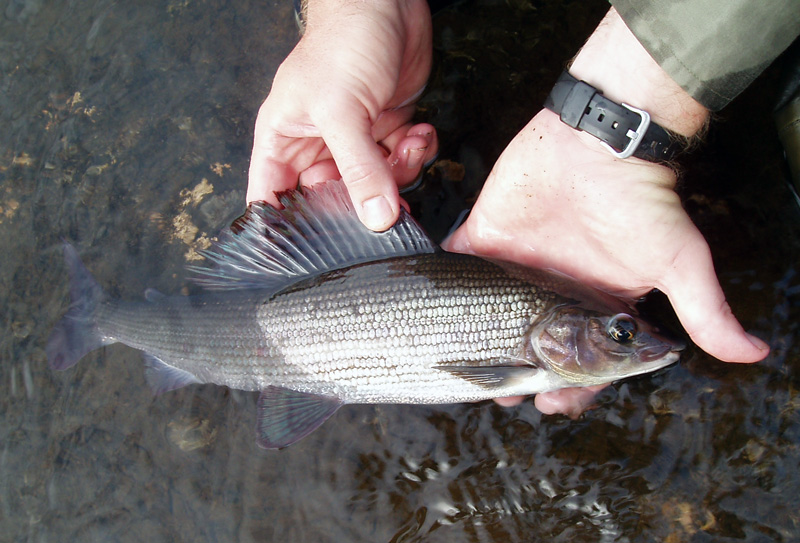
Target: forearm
613	61
712	48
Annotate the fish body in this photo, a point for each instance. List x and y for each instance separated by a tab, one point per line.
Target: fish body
315	311
371	333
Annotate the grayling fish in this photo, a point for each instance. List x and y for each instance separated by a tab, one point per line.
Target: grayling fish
313	310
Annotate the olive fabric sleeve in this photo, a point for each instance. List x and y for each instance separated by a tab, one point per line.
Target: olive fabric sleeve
712	48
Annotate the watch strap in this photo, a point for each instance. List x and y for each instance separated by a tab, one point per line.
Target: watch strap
625	130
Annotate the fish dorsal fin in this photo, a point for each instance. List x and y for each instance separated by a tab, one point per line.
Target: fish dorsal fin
494	374
316	231
286	416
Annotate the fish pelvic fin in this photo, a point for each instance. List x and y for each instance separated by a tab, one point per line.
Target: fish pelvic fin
494	375
76	334
286	416
161	377
316	231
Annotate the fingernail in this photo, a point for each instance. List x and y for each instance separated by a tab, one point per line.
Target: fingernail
414	157
377	213
423	129
758	342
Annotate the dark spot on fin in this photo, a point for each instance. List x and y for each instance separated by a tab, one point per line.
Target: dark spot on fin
316	231
162	377
286	416
76	334
502	374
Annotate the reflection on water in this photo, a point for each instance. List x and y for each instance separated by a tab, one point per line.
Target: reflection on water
126	128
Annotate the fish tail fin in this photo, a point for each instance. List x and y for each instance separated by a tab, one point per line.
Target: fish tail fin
76	334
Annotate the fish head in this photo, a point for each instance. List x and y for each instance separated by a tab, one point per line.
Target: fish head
588	347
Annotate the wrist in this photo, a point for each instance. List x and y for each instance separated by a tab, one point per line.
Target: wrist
325	13
614	61
582	147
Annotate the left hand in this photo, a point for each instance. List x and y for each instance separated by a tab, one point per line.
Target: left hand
343	100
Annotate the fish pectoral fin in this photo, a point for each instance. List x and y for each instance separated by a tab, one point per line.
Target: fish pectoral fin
500	374
162	377
286	416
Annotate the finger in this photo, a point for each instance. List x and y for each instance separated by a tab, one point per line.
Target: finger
568	401
319	172
393	123
408	158
429	132
458	241
411	148
509	401
394	139
699	303
267	176
270	166
364	169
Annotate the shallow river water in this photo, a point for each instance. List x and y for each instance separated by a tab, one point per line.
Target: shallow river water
126	128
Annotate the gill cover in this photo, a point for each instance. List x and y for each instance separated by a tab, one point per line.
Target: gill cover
588	347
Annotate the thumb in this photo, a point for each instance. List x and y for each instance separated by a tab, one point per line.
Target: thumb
364	170
458	241
698	301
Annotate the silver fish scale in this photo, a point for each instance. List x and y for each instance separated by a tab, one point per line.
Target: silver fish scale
371	333
210	336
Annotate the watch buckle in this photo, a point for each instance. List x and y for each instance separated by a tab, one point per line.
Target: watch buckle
635	136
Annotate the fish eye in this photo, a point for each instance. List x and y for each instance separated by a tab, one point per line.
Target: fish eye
621	328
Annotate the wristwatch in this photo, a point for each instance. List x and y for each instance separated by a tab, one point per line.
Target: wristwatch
625	130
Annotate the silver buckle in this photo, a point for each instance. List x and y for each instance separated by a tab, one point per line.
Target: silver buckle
635	136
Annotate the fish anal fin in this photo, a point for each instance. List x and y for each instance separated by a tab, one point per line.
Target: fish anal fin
285	416
499	374
162	377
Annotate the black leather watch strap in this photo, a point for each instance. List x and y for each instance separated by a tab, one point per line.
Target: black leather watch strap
625	130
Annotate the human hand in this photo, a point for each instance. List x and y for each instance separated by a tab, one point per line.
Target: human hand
343	100
556	199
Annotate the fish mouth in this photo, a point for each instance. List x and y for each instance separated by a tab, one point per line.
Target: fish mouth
662	353
667	348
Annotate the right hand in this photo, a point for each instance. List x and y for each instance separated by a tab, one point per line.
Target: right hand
343	100
556	199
